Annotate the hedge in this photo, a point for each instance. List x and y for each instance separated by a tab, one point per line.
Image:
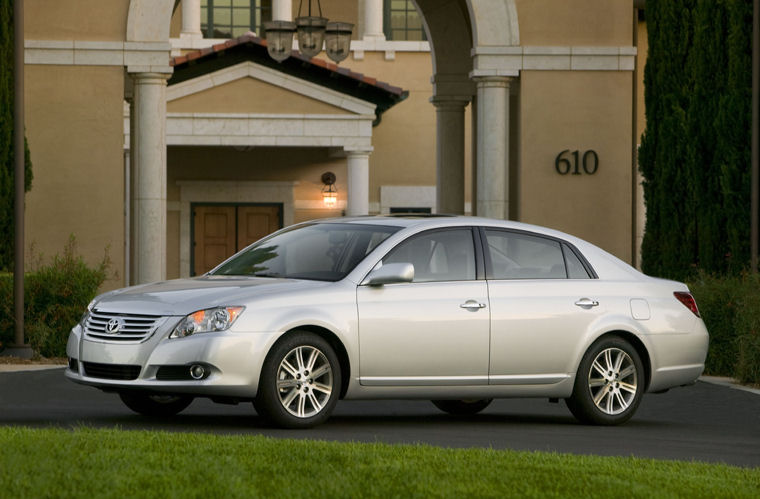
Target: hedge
730	307
55	297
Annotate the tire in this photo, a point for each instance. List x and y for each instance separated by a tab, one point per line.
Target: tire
462	407
155	405
609	384
289	394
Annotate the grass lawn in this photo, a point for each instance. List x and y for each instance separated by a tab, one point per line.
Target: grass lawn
111	463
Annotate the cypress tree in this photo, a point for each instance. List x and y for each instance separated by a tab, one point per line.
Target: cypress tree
707	71
733	132
6	138
662	152
695	151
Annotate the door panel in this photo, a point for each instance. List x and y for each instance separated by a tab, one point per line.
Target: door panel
536	327
214	229
255	222
222	230
418	334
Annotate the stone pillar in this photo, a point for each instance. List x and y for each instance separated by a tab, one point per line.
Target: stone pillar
373	20
358	183
450	153
191	19
492	182
282	10
474	156
148	139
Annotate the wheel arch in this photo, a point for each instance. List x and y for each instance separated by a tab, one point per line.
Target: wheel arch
335	343
641	349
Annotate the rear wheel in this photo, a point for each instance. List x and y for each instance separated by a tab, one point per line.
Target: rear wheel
609	383
300	382
155	405
462	407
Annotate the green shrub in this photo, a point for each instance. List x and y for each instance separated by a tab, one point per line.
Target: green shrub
748	340
730	307
717	301
55	297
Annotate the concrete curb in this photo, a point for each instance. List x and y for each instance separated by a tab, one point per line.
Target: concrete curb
729	382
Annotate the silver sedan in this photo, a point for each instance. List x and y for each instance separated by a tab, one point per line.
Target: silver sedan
457	310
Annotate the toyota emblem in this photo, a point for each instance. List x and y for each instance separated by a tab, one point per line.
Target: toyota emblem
114	325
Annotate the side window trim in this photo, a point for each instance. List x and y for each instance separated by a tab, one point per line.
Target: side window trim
487	255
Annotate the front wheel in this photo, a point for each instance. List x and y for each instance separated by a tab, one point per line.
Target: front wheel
462	407
300	382
155	405
609	383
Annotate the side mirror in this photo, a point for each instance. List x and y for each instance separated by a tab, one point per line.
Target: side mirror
390	273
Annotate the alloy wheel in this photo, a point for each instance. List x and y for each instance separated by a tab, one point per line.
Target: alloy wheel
304	381
613	381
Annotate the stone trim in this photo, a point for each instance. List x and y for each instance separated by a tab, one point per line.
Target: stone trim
508	61
207	191
250	69
407	196
302	130
143	57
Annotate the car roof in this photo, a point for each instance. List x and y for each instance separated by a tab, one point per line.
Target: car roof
604	263
423	220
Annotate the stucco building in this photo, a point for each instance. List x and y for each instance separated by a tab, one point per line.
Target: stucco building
162	129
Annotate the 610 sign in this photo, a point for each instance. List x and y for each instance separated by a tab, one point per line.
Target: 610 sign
566	163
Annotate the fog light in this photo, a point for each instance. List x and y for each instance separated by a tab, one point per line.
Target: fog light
197	371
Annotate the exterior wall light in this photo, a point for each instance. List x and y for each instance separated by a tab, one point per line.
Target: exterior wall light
329	192
313	32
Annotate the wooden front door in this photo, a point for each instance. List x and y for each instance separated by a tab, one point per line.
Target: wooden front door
219	231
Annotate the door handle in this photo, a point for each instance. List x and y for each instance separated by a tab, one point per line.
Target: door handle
472	305
587	303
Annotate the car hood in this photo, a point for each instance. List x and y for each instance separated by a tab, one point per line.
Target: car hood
184	296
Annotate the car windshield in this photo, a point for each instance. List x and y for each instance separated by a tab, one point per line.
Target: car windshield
318	251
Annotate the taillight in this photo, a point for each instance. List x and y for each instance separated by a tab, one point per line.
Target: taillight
688	301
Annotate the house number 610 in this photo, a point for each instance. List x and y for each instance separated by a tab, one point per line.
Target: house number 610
589	163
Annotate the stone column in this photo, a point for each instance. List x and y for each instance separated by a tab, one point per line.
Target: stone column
358	183
282	10
492	182
191	19
373	20
450	153
149	177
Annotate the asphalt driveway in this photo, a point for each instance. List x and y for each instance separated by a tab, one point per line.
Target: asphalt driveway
704	422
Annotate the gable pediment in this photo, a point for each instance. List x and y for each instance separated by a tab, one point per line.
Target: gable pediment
250	88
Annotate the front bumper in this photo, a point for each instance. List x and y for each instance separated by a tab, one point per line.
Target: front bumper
232	361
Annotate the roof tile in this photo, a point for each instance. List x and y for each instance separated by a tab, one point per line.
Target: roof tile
251	37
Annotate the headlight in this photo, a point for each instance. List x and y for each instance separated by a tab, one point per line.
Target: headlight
207	321
86	315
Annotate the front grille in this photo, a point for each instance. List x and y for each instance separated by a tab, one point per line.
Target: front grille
130	327
173	373
111	371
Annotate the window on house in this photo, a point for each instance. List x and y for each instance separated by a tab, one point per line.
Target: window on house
232	18
402	21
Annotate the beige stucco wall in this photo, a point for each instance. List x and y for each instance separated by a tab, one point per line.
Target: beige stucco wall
75	19
249	95
576	22
404	141
581	110
74	128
